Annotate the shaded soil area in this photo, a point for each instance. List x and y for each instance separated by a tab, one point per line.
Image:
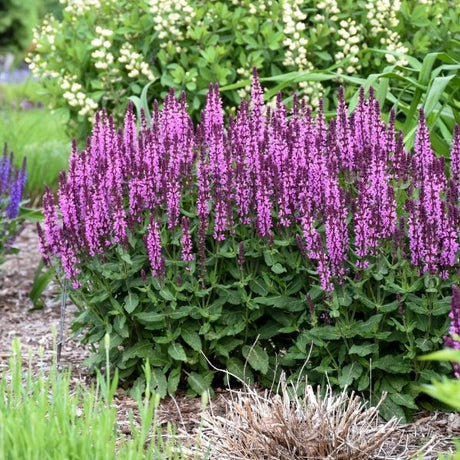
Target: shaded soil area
430	433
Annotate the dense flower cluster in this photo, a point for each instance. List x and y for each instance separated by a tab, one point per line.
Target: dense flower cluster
268	170
134	63
382	16
172	19
79	7
350	38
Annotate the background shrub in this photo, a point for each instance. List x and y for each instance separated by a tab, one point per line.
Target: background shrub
32	131
280	243
17	19
103	52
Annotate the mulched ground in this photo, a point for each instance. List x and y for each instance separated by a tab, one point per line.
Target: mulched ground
430	433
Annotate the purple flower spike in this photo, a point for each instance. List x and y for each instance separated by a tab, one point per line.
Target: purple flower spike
17	189
186	241
153	246
455	160
454	330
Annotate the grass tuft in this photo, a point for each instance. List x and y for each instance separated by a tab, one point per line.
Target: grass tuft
47	415
287	427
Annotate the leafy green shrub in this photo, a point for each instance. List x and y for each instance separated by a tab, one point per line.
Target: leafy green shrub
104	51
280	242
17	19
12	184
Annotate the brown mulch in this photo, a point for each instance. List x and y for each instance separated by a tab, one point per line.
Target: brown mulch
430	433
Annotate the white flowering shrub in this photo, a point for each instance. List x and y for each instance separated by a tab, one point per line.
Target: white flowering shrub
104	51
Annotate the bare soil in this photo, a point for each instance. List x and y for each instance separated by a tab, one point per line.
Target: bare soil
430	433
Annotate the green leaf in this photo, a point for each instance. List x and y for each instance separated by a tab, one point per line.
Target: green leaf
182	312
363	350
237	368
278	268
257	358
402	399
284	302
149	317
166	294
131	302
393	365
42	278
388	409
259	287
142	349
191	337
268	257
446	391
435	93
177	352
158	383
349	374
200	383
226	345
448	354
173	380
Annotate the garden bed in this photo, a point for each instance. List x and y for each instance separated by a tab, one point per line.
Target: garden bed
430	433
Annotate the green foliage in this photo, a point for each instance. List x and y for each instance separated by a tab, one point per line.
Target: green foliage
17	19
48	416
34	133
445	390
431	26
256	321
100	56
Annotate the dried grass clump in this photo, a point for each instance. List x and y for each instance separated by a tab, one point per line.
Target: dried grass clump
285	427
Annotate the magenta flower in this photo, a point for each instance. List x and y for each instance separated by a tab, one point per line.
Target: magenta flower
153	246
452	340
186	241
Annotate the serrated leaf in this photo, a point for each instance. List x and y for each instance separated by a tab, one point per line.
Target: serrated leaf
147	317
177	352
258	287
166	294
349	374
142	349
126	258
363	350
257	358
191	338
200	383
402	399
388	409
131	302
391	364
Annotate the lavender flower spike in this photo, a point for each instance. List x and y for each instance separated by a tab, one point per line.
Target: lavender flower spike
454	330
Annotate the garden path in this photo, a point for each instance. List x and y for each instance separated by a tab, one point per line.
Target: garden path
430	433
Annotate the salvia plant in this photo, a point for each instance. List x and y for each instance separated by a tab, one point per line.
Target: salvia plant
12	182
276	242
